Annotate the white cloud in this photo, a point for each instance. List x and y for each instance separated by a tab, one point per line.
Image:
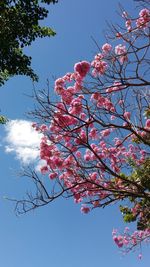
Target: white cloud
22	140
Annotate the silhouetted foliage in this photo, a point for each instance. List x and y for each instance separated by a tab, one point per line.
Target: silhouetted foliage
19	27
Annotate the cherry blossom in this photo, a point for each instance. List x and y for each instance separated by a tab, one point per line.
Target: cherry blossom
97	133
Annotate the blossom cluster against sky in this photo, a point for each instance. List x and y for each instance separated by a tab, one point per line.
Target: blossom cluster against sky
56	235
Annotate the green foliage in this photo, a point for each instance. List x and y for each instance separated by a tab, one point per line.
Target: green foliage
147	113
50	1
141	214
4	75
142	174
127	214
3	120
19	27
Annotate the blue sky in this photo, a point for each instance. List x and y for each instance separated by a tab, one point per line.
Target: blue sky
56	235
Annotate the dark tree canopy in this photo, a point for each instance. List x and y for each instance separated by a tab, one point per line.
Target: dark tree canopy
19	26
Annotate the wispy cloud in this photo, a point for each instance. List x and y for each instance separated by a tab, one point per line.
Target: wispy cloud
22	140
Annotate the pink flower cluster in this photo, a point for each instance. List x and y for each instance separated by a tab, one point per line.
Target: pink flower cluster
81	69
75	139
101	101
144	18
117	86
57	160
129	240
147	124
141	23
106	48
121	52
128	25
99	65
90	139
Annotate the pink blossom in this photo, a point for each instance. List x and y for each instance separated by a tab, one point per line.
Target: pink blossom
127	115
82	146
82	68
112	117
99	65
144	13
144	18
76	106
106	48
93	133
105	133
77	198
93	176
118	35
118	240
87	157
82	116
43	128
85	209
120	50
53	175
68	77
147	124
128	25
34	124
117	86
59	84
95	96
78	154
98	57
128	240
44	169
121	101
57	161
114	232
